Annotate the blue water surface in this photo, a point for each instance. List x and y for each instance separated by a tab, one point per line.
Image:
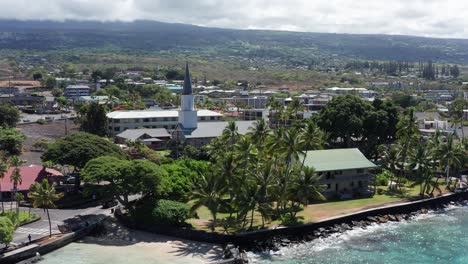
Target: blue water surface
437	237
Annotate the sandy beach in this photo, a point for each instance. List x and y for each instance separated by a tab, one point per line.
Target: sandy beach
122	245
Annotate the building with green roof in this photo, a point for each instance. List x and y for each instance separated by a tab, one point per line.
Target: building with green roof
345	172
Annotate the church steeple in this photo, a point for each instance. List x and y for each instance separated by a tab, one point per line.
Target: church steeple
187	112
187	81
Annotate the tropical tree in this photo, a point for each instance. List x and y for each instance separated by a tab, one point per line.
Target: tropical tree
310	138
44	196
421	163
451	156
305	187
209	191
407	133
7	229
16	177
391	158
18	198
3	170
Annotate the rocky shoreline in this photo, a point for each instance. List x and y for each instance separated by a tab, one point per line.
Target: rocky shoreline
276	242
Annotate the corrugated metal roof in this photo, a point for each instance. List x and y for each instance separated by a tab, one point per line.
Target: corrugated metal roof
215	129
134	134
336	159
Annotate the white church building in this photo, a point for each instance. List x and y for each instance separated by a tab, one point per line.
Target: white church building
190	125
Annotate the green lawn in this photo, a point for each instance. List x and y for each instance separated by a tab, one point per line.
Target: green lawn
24	217
321	211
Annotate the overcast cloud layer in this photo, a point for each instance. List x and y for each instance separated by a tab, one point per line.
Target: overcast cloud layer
435	18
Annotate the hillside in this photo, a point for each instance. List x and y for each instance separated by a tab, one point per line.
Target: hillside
292	47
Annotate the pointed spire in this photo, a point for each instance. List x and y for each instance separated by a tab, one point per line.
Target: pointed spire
187	81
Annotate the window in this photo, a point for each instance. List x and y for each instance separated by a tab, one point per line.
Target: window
146	120
328	186
116	128
352	184
165	119
360	171
212	117
115	120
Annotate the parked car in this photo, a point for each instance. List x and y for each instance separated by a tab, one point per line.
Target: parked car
70	179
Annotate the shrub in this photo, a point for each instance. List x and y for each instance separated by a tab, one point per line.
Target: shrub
383	178
7	228
380	191
403	180
170	212
289	220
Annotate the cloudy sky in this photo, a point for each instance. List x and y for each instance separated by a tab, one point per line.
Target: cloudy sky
435	18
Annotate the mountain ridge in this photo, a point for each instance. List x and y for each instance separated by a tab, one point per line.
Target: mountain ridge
146	35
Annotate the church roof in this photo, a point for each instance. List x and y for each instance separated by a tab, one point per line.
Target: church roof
215	129
187	81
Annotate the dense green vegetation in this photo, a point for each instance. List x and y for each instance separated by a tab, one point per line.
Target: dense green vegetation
141	37
9	115
79	148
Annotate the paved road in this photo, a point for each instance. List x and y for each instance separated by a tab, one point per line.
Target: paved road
41	228
57	216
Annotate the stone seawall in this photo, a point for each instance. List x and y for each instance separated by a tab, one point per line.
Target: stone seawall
251	240
31	251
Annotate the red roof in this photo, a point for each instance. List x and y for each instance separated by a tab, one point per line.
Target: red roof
29	174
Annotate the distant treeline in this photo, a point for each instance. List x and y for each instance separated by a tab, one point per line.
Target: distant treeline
427	70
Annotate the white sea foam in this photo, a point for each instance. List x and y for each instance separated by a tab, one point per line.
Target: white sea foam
339	240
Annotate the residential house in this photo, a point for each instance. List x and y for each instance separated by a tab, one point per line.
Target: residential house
29	175
345	172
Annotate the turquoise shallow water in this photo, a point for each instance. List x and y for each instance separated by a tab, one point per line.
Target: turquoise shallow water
440	237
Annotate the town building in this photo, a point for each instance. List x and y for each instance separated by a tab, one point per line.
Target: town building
120	121
101	99
29	175
72	92
345	172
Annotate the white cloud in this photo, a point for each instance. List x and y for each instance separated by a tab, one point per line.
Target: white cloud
412	17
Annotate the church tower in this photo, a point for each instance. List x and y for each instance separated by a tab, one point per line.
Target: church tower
187	113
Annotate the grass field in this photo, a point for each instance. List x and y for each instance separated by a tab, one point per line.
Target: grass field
321	211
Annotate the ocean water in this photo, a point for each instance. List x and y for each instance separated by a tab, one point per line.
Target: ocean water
437	237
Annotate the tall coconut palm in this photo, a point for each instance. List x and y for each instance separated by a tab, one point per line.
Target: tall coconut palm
306	187
407	132
44	196
260	132
209	192
3	170
264	179
230	133
310	138
420	161
391	158
451	156
15	177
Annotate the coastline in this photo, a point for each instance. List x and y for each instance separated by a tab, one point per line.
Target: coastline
113	239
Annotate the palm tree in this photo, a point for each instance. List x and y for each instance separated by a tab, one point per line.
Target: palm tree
264	178
3	170
391	157
407	131
18	198
15	177
306	187
230	133
260	132
44	196
209	191
421	163
451	156
310	138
